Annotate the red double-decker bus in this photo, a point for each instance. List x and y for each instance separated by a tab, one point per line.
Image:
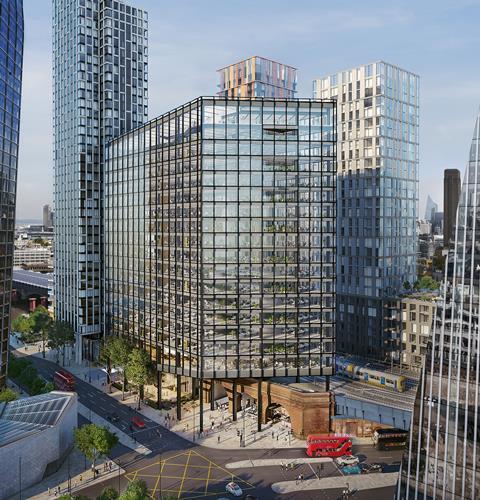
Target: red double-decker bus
327	445
63	381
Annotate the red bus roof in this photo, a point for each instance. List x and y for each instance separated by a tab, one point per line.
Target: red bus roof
325	437
64	374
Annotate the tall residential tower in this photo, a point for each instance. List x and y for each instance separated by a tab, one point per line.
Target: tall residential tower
377	196
11	59
99	91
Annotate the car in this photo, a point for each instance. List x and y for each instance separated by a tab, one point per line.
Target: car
370	468
351	469
347	460
113	417
138	422
234	489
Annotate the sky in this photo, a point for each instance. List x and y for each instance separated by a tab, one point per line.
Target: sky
190	39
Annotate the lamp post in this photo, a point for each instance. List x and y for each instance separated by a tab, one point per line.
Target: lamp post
243	435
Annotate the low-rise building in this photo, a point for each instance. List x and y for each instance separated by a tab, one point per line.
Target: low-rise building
32	255
417	317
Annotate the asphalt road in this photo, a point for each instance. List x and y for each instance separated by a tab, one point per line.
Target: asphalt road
183	469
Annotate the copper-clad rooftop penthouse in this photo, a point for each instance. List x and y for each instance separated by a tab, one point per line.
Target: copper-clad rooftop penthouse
444	456
258	77
220	237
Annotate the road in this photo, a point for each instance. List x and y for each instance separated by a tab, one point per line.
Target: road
185	470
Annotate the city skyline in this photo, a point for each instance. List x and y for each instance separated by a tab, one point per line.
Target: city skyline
443	140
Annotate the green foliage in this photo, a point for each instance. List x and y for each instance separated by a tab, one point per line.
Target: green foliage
115	352
26	374
426	283
407	285
136	490
48	387
139	369
94	441
23	325
60	334
108	493
7	395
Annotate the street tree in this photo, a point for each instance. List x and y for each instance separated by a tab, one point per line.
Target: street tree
94	441
136	490
23	325
118	351
7	395
139	371
60	334
108	493
41	322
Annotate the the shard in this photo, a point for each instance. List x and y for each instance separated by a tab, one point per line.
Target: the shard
443	459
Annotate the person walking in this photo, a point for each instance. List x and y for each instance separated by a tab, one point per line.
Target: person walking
218	439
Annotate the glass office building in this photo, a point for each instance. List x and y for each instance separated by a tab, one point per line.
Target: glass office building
377	193
11	60
99	91
220	237
258	77
444	454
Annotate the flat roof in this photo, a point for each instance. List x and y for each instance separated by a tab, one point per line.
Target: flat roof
33	278
24	417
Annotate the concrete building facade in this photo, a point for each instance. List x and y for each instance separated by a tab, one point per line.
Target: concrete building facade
452	186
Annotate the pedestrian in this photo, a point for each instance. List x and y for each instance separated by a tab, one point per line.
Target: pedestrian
81	478
301	478
282	465
49	491
85	376
273	434
277	436
318	470
218	439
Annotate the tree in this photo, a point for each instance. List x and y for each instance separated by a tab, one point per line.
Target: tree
138	370
119	350
23	325
7	395
94	441
136	490
426	283
108	493
60	334
41	322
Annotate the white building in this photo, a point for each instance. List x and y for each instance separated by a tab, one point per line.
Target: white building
32	255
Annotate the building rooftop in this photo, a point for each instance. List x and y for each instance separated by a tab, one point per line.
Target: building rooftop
24	417
42	280
258	57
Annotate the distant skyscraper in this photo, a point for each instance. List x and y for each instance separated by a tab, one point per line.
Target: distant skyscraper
258	77
99	91
451	194
47	219
431	209
444	454
377	194
11	59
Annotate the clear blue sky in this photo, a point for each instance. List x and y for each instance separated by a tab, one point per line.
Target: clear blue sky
190	39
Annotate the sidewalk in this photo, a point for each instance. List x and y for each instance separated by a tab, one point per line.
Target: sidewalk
219	428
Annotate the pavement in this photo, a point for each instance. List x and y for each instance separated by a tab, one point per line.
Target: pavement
173	463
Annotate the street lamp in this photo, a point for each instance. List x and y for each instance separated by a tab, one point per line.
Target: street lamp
243	435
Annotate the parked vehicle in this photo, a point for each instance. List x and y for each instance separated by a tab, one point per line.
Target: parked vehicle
326	445
371	468
347	460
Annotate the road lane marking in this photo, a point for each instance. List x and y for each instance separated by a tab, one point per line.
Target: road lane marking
184	474
208	478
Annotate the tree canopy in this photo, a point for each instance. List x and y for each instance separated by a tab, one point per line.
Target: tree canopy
7	395
136	490
138	370
94	441
426	283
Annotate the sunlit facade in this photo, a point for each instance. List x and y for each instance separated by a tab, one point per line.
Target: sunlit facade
258	77
444	454
220	237
11	60
377	193
99	91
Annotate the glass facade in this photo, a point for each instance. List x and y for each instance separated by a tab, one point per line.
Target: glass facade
11	60
220	237
258	77
444	454
377	193
99	91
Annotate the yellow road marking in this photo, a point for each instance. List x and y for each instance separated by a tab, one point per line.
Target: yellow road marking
166	460
208	478
158	478
184	474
